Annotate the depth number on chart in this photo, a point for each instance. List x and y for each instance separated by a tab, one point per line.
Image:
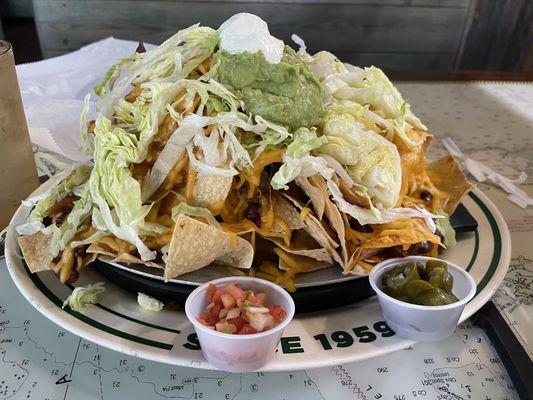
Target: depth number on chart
363	334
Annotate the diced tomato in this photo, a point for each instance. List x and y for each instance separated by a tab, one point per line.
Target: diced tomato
261	298
247	330
277	312
211	289
239	322
235	291
211	315
235	310
204	323
217	297
228	300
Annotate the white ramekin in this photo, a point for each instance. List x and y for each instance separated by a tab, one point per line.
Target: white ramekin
417	322
239	353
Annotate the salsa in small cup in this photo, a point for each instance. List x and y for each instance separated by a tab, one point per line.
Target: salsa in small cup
245	342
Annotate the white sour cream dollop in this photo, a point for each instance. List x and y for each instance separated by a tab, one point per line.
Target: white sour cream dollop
247	32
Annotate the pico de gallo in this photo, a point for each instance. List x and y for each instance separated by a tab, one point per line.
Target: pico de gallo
235	310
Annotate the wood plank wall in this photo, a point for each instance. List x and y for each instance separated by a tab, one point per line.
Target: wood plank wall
500	36
394	34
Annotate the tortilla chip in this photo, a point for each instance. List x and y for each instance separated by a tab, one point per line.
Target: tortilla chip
313	226
351	197
335	219
443	179
319	254
35	249
447	176
195	245
316	195
401	232
210	189
288	213
332	214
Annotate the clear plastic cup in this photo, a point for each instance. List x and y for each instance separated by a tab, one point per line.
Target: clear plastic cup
239	353
417	322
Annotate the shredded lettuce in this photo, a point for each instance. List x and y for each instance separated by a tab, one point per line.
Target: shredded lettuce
372	162
111	75
62	185
81	297
297	160
371	87
173	60
81	210
149	303
193	211
87	145
115	193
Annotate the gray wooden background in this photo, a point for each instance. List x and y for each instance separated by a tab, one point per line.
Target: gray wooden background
393	34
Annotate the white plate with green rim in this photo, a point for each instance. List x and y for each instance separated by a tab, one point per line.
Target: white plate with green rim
340	335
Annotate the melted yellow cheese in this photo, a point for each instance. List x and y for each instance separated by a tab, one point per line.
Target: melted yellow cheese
253	175
189	186
296	264
303	214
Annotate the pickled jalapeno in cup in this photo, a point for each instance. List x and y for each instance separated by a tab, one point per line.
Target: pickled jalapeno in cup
412	282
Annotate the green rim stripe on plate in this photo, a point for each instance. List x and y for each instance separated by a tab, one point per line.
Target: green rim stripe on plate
161	328
57	301
497	251
474	254
118	314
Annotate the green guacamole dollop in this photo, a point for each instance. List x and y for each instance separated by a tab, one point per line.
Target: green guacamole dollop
286	93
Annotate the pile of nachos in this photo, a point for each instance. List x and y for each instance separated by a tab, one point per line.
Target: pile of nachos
228	147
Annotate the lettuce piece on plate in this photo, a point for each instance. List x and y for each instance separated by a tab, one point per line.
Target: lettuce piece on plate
81	297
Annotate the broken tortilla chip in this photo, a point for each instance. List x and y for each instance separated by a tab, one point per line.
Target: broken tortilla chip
401	232
35	249
195	245
297	263
319	254
447	176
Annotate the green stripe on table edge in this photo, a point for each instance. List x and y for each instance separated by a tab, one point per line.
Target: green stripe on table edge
497	251
98	325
